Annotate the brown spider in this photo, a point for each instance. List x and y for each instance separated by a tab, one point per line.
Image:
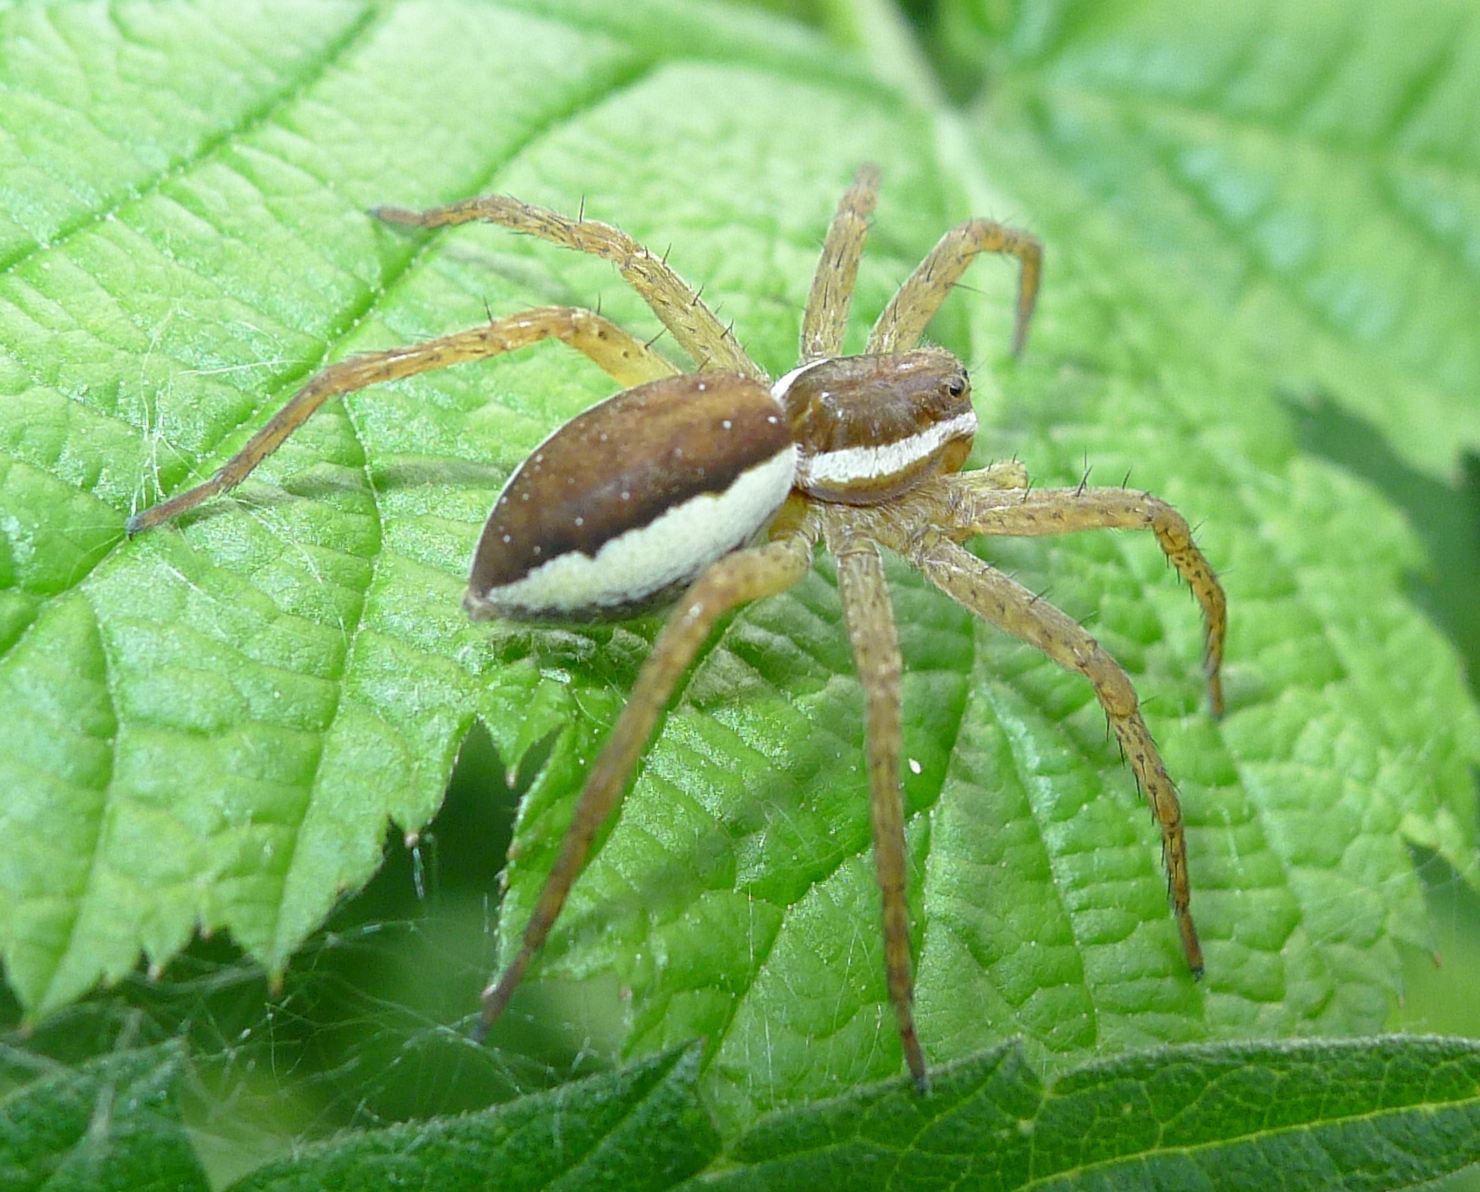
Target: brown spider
660	492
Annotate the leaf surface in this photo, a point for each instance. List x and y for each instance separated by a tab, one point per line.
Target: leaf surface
110	1123
640	1127
211	726
1359	1114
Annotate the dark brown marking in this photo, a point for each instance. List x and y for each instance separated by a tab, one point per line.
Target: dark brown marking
624	463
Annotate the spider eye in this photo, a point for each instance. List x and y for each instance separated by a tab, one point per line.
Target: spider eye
956	386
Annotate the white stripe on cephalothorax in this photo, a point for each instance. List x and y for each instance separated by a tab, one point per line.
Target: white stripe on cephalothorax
672	549
871	463
778	390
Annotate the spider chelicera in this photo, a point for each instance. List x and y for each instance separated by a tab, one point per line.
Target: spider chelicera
713	488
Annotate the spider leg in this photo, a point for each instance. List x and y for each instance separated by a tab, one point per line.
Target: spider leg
1064	510
992	479
733	580
991	595
628	360
903	322
826	320
677	305
870	621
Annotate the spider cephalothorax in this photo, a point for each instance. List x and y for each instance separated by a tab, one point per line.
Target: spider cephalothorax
868	428
715	487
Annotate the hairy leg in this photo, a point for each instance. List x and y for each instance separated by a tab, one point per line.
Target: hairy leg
677	305
826	320
1064	510
731	581
628	360
870	620
903	322
993	596
992	479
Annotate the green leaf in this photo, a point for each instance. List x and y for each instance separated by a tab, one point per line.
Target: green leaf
1358	1114
212	726
1316	162
112	1122
1373	1113
642	1126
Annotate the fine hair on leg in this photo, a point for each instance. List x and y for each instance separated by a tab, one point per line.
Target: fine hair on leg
625	358
913	306
1069	510
677	304
871	631
732	580
1004	602
826	319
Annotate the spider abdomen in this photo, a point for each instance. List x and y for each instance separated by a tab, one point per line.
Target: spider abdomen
871	427
628	502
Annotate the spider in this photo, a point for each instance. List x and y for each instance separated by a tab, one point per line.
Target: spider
710	489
